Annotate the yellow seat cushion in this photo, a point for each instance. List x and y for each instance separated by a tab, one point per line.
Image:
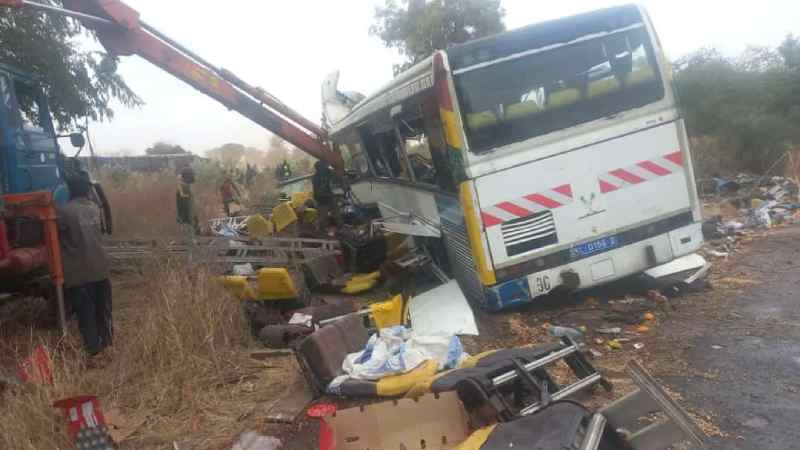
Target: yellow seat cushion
275	283
604	86
563	97
400	384
476	121
389	313
521	110
283	215
258	226
641	75
238	286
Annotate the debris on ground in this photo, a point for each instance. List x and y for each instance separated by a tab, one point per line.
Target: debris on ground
254	441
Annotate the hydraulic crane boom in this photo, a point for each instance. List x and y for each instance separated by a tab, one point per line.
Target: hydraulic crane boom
122	33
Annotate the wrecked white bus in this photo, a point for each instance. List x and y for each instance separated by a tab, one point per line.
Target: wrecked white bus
551	156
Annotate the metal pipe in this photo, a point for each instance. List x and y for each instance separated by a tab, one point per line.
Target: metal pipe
594	432
69	13
552	357
564	393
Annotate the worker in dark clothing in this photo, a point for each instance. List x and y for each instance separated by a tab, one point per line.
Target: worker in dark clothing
86	266
323	193
184	200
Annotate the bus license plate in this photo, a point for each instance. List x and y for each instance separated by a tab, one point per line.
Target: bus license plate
593	247
543	282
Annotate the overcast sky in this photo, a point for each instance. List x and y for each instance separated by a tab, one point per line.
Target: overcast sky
289	47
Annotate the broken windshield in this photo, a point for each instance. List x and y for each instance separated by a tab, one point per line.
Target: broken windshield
521	97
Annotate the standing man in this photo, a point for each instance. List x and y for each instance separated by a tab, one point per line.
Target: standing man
86	283
230	194
323	193
184	201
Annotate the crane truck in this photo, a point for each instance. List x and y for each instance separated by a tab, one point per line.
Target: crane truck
32	166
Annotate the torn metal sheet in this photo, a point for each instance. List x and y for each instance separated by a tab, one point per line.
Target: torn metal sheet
693	266
442	310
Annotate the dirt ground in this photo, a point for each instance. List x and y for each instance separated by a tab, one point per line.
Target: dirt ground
729	353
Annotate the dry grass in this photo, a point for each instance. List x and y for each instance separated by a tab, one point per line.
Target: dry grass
180	360
143	205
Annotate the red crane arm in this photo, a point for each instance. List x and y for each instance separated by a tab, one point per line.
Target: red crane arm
122	33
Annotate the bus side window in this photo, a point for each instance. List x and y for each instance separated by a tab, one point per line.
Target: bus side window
392	152
373	150
355	161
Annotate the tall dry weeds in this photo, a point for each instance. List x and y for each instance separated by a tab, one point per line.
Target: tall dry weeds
178	348
143	204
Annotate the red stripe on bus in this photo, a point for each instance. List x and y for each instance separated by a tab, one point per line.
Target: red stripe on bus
548	203
564	190
514	209
606	187
628	177
650	166
490	220
676	157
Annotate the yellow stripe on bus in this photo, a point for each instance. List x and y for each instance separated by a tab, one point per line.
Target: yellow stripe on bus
471	219
451	131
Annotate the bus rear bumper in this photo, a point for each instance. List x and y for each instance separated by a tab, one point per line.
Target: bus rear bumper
595	270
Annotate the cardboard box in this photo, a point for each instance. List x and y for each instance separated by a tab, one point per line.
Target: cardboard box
430	422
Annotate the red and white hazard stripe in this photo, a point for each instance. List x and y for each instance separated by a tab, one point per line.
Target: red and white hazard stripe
526	205
641	172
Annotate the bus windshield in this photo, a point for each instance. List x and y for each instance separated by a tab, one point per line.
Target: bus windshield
540	91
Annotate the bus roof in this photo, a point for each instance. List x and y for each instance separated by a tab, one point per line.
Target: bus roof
490	48
539	35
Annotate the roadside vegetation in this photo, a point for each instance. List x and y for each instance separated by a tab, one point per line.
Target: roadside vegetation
181	349
742	112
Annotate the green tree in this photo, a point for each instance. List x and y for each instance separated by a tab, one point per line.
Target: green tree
80	83
417	28
748	107
162	148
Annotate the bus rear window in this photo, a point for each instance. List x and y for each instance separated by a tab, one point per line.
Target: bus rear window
517	99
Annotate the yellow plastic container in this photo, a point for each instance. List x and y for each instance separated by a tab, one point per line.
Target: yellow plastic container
283	215
258	226
275	283
238	286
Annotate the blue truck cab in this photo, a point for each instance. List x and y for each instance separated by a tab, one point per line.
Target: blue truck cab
30	159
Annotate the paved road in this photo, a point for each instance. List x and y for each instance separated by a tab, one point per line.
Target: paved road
756	352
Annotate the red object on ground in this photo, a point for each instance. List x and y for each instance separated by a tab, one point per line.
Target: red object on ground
37	368
81	412
320	411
